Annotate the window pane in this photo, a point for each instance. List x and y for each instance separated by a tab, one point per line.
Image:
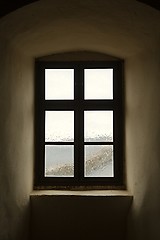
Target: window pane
59	161
99	161
98	126
59	84
98	84
59	126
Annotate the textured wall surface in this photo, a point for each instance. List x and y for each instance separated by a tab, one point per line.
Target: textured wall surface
16	142
142	143
122	28
79	217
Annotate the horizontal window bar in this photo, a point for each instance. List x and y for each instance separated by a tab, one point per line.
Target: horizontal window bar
74	64
84	104
60	104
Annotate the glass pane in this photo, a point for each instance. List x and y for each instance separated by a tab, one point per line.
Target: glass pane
99	161
59	126
98	126
59	84
98	84
59	161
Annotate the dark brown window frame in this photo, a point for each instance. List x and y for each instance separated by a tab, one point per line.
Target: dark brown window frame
78	105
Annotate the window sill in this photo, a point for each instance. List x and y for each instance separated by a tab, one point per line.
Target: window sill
105	193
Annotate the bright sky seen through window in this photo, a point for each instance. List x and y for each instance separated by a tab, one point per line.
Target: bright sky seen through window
98	126
59	126
98	83
59	84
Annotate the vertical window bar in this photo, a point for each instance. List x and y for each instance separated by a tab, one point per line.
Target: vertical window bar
76	133
79	96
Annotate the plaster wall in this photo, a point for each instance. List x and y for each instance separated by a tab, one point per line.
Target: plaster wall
79	215
16	142
120	28
142	143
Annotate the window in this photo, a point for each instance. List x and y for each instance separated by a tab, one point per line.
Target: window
79	124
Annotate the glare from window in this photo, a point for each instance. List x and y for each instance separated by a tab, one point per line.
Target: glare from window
98	126
59	126
59	84
98	84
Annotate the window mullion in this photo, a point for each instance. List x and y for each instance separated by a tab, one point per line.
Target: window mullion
79	124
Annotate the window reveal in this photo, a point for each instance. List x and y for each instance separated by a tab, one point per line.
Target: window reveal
79	124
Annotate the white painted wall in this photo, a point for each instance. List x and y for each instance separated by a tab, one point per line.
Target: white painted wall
16	142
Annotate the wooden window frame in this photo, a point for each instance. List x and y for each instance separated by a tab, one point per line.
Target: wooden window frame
78	105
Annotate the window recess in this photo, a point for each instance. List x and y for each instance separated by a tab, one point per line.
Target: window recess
79	124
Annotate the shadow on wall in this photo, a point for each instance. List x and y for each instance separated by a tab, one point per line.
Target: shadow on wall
14	220
143	217
79	217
